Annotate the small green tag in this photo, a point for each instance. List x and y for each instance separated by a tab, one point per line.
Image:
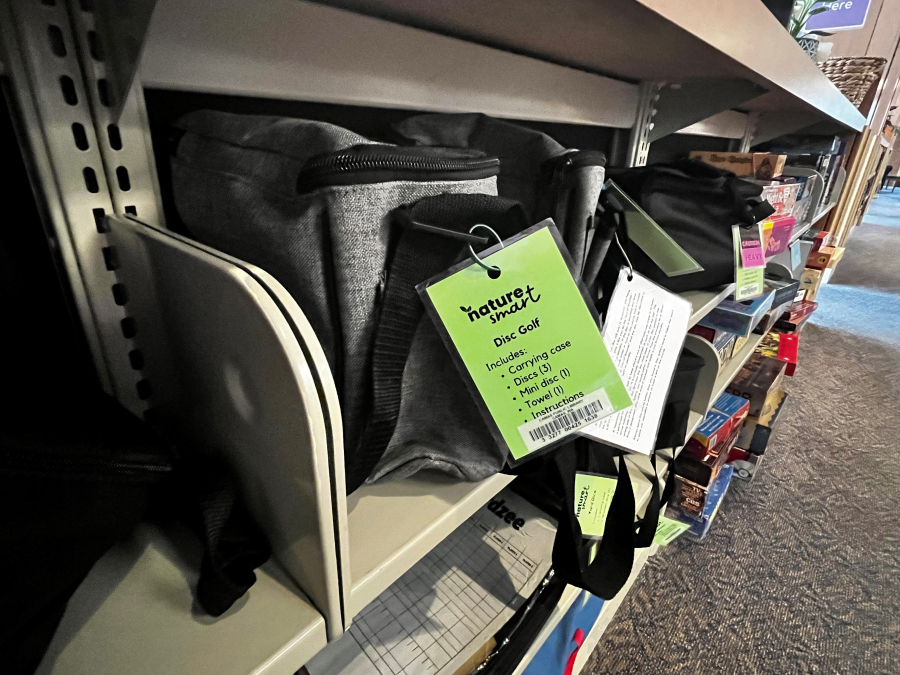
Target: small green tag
658	244
748	280
528	341
593	495
668	530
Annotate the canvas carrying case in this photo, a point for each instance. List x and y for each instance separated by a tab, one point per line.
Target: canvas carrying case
350	227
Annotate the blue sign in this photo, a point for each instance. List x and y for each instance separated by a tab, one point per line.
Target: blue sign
841	15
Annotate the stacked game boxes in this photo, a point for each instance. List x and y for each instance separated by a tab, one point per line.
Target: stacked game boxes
759	382
699	525
702	458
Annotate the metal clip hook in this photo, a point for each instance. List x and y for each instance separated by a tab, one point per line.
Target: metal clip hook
492	270
625	255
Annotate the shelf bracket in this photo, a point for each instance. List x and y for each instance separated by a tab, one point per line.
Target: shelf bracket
749	130
122	26
58	138
681	104
639	140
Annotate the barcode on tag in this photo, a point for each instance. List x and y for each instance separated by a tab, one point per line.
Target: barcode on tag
752	289
565	420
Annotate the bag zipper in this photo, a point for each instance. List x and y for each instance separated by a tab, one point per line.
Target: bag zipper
377	163
363	164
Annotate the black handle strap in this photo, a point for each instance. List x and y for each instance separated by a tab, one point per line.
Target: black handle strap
607	573
419	253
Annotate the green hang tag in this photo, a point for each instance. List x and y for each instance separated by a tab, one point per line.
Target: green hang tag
593	496
748	280
658	244
527	342
668	530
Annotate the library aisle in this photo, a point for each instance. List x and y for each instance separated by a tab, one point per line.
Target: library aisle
800	574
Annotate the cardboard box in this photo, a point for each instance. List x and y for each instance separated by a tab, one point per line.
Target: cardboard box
697	506
769	345
714	428
779	239
735	407
758	377
757	430
821	259
819	239
782	197
810	281
739	318
724	346
761	165
767	166
706	452
837	254
785	291
798	310
789	352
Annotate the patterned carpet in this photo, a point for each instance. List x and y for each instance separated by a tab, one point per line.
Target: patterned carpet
801	571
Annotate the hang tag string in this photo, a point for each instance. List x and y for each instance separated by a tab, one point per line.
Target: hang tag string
492	270
625	255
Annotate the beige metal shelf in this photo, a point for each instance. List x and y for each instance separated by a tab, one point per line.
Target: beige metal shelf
726	124
730	370
135	613
703	302
824	211
295	50
393	525
649	40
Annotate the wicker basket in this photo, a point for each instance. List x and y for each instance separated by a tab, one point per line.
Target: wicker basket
854	75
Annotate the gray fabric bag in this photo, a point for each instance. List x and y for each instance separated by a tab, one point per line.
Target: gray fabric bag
548	179
316	206
310	203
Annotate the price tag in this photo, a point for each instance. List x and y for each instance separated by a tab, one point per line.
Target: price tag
593	495
748	280
795	255
668	530
527	342
752	252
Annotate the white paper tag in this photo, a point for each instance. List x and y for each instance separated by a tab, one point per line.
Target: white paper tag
644	333
795	255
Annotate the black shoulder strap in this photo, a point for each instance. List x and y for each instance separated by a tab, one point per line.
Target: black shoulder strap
419	253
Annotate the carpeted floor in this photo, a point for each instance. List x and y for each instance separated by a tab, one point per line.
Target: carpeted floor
801	571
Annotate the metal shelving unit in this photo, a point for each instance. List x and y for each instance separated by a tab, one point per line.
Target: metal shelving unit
640	68
136	613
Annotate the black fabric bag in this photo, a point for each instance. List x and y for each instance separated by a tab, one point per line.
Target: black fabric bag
696	204
68	492
674	421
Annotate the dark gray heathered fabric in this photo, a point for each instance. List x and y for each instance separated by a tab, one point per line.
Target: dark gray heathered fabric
235	189
801	571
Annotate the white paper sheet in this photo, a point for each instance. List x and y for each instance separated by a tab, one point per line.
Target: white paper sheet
443	609
644	333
